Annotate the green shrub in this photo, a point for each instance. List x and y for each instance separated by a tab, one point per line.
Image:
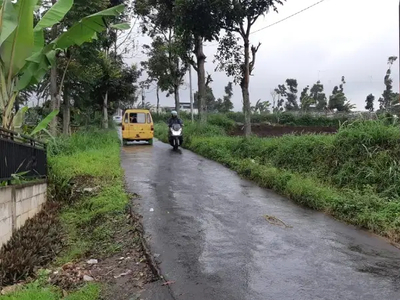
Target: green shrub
221	121
287	118
34	245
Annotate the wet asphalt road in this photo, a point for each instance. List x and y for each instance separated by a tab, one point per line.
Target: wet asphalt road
209	230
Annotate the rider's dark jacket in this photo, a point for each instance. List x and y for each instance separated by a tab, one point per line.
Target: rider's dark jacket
174	120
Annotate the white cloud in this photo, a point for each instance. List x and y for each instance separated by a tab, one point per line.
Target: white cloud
353	38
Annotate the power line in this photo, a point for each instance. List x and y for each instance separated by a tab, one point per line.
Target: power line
295	14
284	19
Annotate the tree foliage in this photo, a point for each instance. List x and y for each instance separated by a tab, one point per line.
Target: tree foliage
338	100
210	99
388	97
25	55
167	54
164	65
291	95
318	96
238	17
369	102
261	107
225	104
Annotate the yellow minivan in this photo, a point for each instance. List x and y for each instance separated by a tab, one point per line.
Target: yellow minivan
137	125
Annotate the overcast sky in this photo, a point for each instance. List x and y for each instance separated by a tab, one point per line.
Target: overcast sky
353	38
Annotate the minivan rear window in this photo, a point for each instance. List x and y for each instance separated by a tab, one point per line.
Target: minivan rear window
139	118
148	118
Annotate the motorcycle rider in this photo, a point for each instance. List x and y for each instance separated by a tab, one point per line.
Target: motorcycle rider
174	119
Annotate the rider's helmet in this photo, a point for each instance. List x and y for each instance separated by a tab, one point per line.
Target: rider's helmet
174	113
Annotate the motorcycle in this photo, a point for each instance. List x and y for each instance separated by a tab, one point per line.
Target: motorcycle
175	136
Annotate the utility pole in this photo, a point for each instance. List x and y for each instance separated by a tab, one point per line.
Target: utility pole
191	94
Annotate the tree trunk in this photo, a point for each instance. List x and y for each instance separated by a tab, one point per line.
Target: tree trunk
176	94
201	79
245	90
158	99
105	111
66	113
55	104
191	94
54	99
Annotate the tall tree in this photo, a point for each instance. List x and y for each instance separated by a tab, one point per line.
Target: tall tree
281	92
61	76
210	99
338	99
55	96
306	100
199	21
318	96
387	96
273	96
167	53
291	95
225	104
369	102
164	65
238	18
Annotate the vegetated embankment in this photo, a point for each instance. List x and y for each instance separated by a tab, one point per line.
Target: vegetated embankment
353	175
268	130
88	217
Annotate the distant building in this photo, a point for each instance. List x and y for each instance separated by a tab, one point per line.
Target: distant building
183	106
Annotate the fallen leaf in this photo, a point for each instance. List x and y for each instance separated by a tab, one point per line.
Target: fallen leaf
168	283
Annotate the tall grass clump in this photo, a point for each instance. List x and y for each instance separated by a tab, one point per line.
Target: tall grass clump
366	154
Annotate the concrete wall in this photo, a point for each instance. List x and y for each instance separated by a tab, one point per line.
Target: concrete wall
18	203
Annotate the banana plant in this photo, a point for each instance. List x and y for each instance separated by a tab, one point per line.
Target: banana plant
24	57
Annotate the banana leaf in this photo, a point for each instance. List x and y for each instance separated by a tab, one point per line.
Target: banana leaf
86	29
45	122
18	46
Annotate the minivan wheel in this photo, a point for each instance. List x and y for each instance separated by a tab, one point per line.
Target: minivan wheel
150	142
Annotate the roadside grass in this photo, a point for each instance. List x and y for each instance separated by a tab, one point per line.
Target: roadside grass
92	159
40	289
46	292
89	220
353	175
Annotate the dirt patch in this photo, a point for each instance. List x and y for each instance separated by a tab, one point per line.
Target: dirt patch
122	275
266	130
127	272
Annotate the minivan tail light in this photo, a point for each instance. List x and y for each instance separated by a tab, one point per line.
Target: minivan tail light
152	127
123	127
